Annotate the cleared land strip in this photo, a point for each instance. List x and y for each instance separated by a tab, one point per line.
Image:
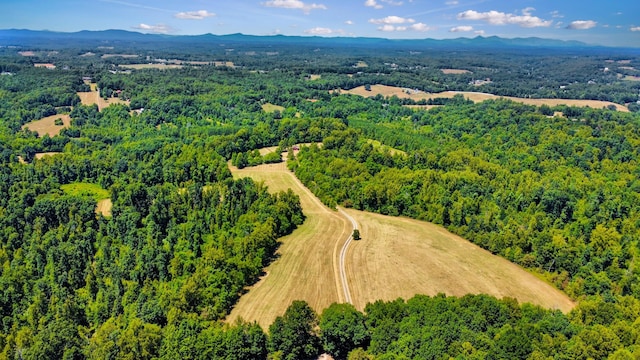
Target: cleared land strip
306	267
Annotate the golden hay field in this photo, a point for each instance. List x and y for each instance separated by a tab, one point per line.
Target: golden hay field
397	257
475	96
400	257
47	125
455	71
104	207
93	97
306	267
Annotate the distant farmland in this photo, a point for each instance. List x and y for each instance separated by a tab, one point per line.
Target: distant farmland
404	93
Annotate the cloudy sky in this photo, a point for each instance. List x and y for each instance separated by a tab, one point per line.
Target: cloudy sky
613	22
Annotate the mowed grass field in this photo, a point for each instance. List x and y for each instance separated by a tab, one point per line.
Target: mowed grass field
397	257
306	267
93	97
400	257
385	90
48	125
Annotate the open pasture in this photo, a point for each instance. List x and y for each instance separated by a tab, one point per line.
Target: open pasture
455	71
306	267
93	97
401	257
47	125
385	90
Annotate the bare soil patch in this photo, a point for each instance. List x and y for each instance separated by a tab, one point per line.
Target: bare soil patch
475	97
631	78
224	63
361	64
400	257
314	77
455	71
27	53
48	125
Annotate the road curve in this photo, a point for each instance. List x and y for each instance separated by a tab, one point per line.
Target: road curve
343	252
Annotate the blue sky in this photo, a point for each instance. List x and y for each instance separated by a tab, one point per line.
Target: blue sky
614	22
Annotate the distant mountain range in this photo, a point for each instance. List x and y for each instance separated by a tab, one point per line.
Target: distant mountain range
52	40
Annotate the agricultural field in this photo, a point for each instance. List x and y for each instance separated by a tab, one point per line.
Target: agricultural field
124	56
151	66
401	257
48	125
397	257
455	71
403	93
93	97
306	266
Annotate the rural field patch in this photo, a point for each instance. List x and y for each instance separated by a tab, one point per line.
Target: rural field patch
455	71
402	93
151	66
93	97
401	257
100	195
269	108
306	267
48	125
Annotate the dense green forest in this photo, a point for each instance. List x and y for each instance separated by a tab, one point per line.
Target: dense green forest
156	277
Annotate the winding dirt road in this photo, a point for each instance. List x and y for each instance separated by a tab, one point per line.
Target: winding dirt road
343	253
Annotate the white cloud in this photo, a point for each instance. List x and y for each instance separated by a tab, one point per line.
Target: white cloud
635	28
194	15
373	3
527	11
420	27
376	5
323	31
461	29
451	2
349	22
294	4
389	27
556	14
158	29
582	25
479	32
499	18
392	20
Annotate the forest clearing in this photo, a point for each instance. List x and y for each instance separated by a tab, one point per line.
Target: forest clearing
398	257
93	97
306	266
401	93
47	125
